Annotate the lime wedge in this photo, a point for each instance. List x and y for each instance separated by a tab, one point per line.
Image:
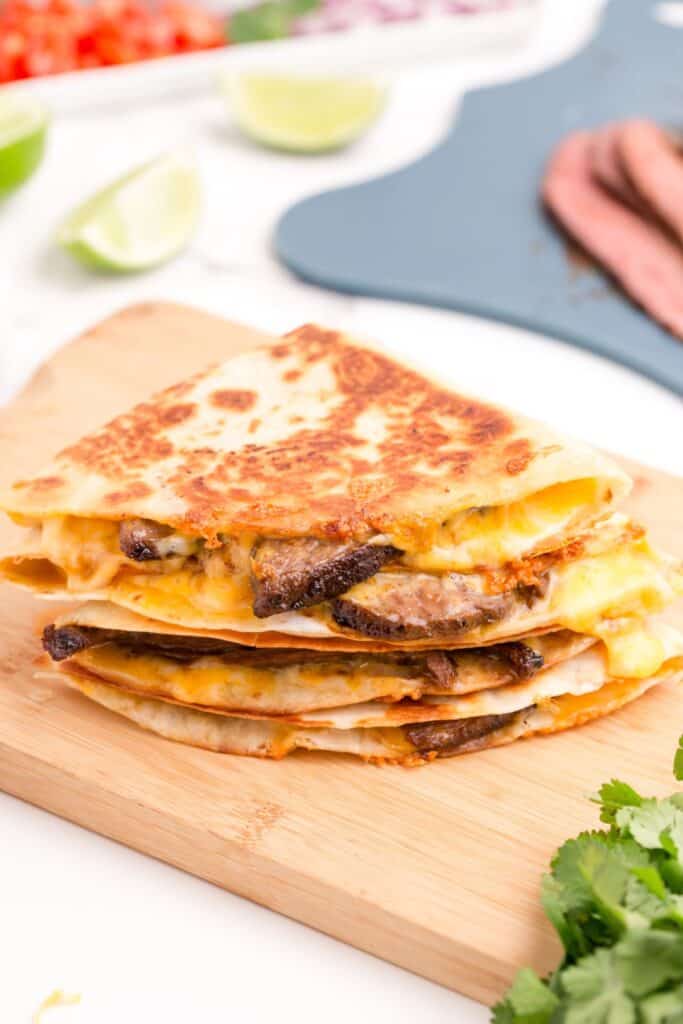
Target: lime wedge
143	219
303	115
23	130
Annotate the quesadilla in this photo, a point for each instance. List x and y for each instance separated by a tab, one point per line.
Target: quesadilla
406	744
216	674
316	493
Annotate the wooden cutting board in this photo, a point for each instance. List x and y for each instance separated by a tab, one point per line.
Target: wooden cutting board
436	869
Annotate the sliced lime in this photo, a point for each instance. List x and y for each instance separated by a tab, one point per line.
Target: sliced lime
141	220
23	130
303	115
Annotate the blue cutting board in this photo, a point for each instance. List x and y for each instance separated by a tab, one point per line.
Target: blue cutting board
462	228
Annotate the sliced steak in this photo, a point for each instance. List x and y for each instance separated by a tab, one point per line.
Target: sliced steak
143	540
647	264
524	660
64	641
654	168
444	738
416	606
608	168
292	574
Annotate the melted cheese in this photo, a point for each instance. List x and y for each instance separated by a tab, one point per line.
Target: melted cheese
498	534
604	595
610	595
286	689
88	552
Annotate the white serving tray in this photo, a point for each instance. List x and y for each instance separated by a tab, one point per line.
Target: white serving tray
367	49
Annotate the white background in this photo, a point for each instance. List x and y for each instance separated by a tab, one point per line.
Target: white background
142	941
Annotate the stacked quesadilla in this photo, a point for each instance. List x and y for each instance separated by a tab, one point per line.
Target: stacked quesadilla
314	546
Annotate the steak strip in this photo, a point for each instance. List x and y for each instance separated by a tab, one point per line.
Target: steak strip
292	574
416	606
444	738
654	168
608	169
442	666
139	539
645	262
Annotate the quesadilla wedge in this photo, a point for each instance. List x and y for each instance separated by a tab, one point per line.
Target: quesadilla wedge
219	675
405	744
206	685
322	460
317	490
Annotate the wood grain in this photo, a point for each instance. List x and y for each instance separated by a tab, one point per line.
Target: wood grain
436	869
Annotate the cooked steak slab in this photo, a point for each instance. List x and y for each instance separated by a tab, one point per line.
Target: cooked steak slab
638	254
654	168
139	539
608	168
292	574
444	738
417	606
64	641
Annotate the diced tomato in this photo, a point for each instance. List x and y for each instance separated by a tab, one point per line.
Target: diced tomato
48	36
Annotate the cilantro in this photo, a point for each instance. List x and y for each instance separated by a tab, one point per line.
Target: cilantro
271	19
615	898
529	1001
614	795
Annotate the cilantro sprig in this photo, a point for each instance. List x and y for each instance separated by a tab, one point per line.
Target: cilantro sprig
615	898
271	19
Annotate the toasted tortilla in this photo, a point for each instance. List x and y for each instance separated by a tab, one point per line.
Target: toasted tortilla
610	581
319	436
400	744
280	479
575	666
245	680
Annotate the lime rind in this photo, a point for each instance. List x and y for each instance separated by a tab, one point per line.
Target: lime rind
303	114
23	134
140	221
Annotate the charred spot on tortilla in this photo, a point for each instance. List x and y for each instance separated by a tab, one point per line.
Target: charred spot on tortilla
415	606
444	738
287	575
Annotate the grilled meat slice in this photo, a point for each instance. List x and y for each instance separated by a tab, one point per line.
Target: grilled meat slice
144	540
645	261
292	574
63	642
444	738
417	606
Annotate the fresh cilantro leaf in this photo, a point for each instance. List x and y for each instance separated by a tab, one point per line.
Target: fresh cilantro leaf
615	897
271	19
649	959
663	1007
678	760
651	879
612	796
528	1001
652	821
595	993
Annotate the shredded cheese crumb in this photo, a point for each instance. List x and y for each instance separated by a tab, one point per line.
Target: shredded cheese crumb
56	998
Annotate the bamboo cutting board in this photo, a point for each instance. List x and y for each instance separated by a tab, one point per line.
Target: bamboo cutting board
436	869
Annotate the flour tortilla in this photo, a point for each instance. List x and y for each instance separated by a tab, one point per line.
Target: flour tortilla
583	672
332	680
232	735
317	435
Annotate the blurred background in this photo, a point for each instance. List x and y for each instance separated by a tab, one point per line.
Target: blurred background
199	152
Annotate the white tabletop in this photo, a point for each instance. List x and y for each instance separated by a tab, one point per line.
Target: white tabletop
142	941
